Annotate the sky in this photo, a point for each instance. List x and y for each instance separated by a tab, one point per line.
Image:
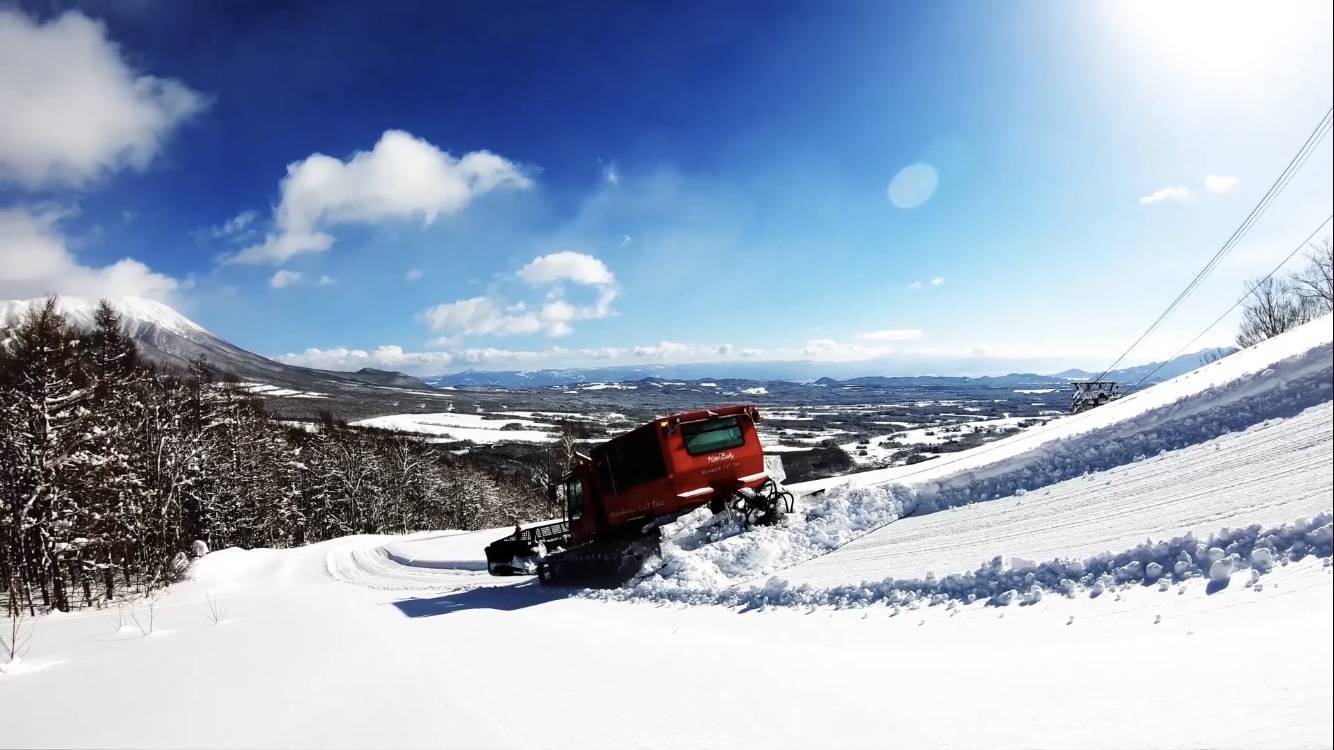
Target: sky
925	188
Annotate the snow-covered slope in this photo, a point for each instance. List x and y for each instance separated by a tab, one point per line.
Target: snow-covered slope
1191	522
1279	390
137	314
299	659
1270	474
1275	378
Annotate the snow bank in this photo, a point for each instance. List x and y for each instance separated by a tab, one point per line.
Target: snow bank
1274	379
702	551
1174	560
708	559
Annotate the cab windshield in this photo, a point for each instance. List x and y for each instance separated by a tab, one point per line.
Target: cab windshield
712	435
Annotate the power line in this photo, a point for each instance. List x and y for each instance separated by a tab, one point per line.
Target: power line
1317	135
931	466
1243	298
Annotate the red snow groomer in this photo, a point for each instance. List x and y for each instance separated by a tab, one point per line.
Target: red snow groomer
617	497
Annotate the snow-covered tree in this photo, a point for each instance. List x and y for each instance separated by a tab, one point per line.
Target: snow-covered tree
48	437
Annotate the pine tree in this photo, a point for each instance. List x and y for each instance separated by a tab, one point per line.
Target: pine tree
116	491
45	392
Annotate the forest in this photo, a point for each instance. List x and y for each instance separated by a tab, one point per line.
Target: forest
113	473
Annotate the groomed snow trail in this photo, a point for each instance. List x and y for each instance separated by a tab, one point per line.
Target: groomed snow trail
429	561
1272	473
419	653
1241	442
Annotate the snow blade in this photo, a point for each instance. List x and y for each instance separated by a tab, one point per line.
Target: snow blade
518	554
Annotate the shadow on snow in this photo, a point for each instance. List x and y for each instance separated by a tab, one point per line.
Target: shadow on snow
499	598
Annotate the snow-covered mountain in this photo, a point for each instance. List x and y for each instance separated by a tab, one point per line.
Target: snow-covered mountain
169	339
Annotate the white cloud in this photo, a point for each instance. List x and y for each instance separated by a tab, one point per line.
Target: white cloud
283	278
915	285
412	275
401	178
1170	193
835	351
388	357
819	346
661	350
393	357
934	281
327	280
566	265
490	315
611	174
892	334
451	355
937	281
236	227
1216	183
73	109
492	356
604	352
478	316
34	261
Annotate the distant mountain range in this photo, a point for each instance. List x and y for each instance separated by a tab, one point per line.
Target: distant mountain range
761	372
169	339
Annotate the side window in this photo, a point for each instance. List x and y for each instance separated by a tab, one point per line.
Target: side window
574	498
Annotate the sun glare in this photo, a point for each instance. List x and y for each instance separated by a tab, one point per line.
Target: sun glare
1236	40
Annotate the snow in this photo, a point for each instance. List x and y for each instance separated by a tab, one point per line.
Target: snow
773	448
265	389
455	426
1134	555
1225	395
135	312
1271	473
1279	395
304	660
758	390
1036	390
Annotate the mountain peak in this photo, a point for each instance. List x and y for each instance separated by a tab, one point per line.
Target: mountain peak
135	312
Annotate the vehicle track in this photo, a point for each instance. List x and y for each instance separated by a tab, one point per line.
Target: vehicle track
437	562
1269	474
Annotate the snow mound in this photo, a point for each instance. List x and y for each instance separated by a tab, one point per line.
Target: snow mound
1178	559
703	551
708	559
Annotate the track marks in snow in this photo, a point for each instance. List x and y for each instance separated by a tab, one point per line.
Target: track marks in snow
423	563
1274	472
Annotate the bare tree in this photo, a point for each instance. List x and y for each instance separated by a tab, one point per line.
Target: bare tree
14	636
214	611
1315	283
1272	308
147	624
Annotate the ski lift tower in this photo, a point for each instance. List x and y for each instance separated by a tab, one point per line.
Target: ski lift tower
1091	393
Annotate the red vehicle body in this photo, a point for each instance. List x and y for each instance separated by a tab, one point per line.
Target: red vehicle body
663	469
615	497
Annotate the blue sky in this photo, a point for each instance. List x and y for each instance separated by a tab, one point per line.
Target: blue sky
932	187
